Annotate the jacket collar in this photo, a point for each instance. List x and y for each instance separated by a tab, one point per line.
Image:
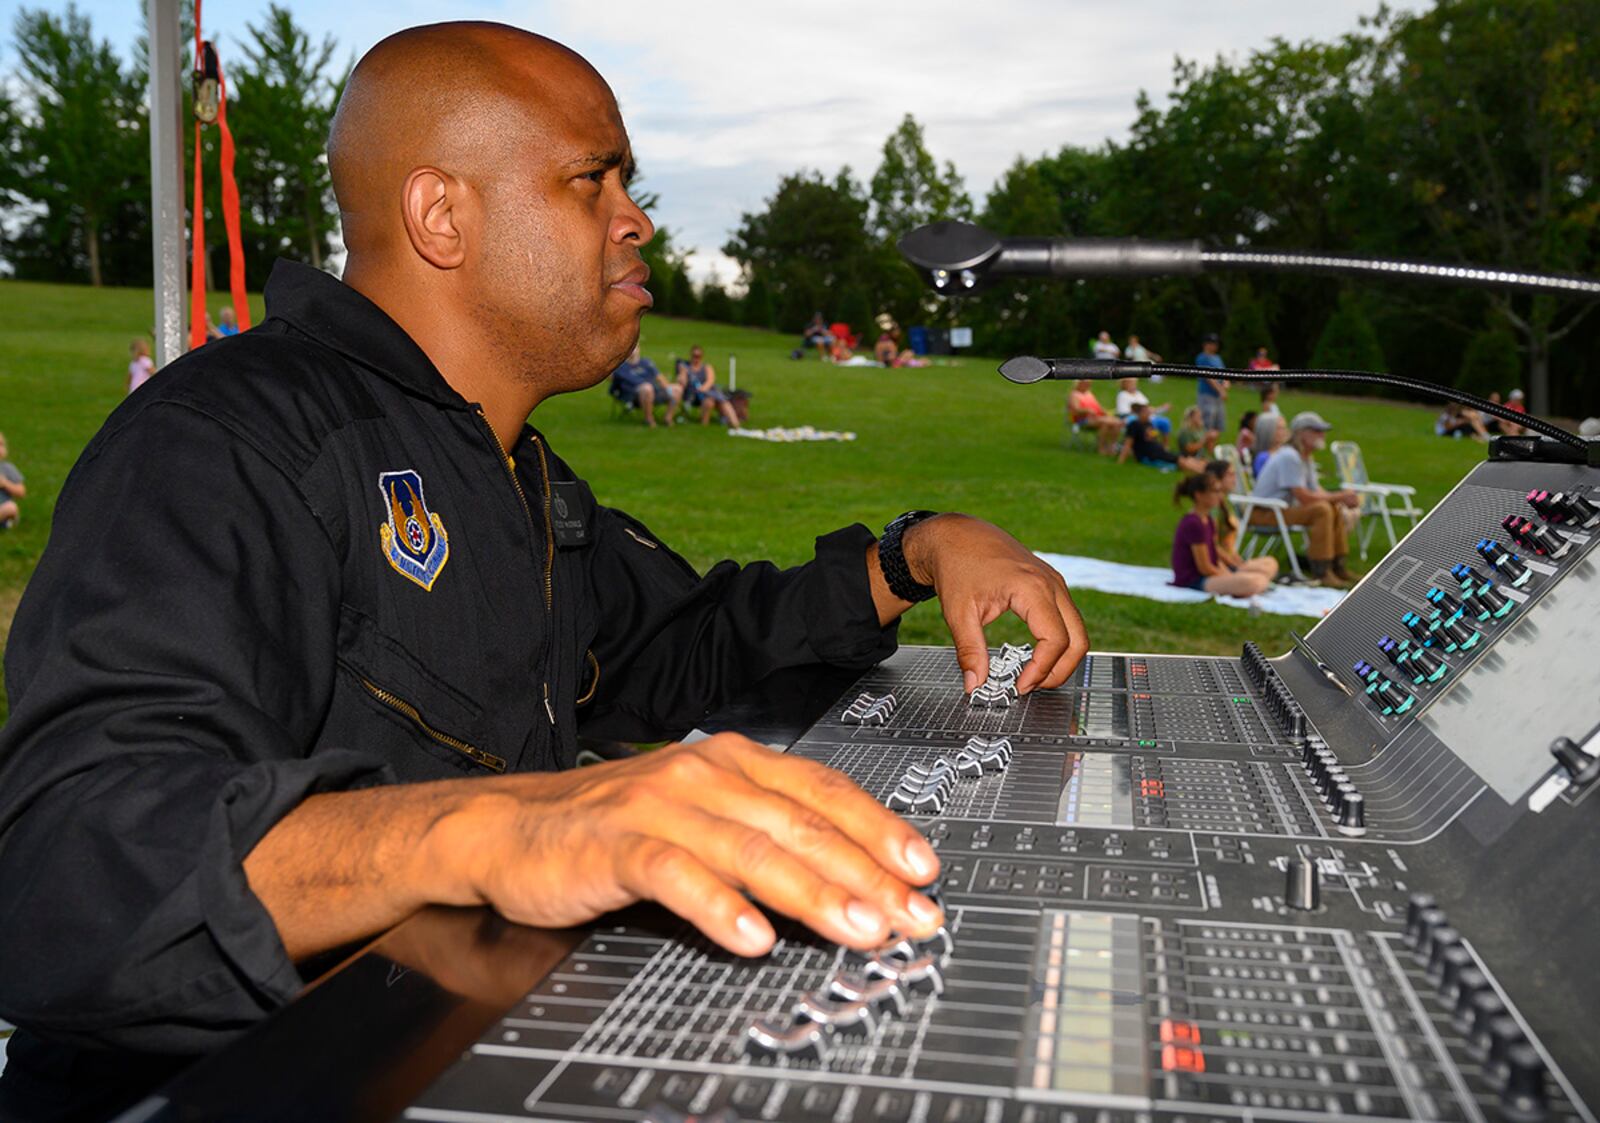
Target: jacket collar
337	316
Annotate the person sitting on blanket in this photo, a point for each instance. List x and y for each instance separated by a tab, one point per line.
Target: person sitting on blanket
638	383
1228	524
697	386
1144	445
1196	563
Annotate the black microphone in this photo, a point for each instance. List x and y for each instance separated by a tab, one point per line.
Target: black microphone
960	257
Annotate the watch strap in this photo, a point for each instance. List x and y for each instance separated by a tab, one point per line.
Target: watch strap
892	559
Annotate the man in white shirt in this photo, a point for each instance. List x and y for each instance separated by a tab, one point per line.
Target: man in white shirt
1130	397
1290	474
1105	349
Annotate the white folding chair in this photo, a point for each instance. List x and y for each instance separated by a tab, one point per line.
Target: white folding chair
1260	538
1380	502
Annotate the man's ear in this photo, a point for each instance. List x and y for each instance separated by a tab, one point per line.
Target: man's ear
435	205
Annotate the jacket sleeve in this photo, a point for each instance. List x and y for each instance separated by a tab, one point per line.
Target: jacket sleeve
672	645
168	668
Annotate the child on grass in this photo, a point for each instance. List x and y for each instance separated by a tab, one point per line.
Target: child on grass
1196	563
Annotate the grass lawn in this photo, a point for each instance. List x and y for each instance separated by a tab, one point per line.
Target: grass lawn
952	437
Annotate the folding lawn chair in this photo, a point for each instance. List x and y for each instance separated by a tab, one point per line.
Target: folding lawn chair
1379	502
1260	538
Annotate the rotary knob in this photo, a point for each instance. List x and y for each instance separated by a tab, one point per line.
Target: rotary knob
1523	1097
1353	815
1486	1007
1470	983
1579	766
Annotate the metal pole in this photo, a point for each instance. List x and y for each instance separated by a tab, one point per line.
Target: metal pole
166	178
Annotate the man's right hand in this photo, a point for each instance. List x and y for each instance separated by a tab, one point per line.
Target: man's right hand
697	828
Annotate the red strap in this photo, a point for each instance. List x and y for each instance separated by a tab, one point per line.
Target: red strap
197	252
230	212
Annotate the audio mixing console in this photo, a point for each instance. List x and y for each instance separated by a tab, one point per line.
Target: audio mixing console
1351	881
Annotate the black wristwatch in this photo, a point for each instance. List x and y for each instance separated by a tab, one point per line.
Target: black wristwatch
892	559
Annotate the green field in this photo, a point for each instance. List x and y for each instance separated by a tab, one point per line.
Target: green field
948	438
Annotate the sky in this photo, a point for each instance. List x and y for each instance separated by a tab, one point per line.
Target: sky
722	97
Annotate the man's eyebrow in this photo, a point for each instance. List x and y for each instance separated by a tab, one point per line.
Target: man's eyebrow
596	161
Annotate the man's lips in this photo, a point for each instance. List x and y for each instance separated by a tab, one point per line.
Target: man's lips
631	284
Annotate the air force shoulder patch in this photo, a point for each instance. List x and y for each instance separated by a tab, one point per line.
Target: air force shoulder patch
413	538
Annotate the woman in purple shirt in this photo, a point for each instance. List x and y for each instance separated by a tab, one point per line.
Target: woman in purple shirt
1195	564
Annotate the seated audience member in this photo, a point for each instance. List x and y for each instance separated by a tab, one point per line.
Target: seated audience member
817	335
1269	401
1271	435
1517	401
1104	348
1137	352
1228	525
1196	561
227	322
1290	475
1144	445
885	350
639	383
12	489
1193	437
1260	361
697	385
1129	396
909	358
1085	411
141	366
1245	441
1459	421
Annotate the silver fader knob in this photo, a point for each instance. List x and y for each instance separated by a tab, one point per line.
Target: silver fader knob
990	696
921	975
968	764
802	1040
939	945
851	1018
881	994
916	803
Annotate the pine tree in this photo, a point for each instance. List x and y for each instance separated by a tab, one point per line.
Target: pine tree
1348	341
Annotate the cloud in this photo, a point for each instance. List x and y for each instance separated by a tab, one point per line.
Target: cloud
723	97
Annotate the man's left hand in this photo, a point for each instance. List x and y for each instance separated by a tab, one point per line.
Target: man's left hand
981	572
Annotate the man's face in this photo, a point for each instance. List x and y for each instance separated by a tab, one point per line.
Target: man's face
1210	347
557	275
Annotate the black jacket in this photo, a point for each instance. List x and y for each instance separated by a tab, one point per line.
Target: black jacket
298	561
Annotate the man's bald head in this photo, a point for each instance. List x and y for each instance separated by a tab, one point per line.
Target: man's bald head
450	95
481	173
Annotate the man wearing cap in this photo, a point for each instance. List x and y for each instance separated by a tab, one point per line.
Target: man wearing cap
1212	392
1290	475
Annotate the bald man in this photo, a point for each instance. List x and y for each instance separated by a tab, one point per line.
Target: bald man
322	617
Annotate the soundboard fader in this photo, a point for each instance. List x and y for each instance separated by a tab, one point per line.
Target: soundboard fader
1348	882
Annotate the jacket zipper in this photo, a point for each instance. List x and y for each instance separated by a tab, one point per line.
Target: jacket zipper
549	539
406	709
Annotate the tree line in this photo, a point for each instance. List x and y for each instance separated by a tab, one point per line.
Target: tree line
74	132
1464	132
